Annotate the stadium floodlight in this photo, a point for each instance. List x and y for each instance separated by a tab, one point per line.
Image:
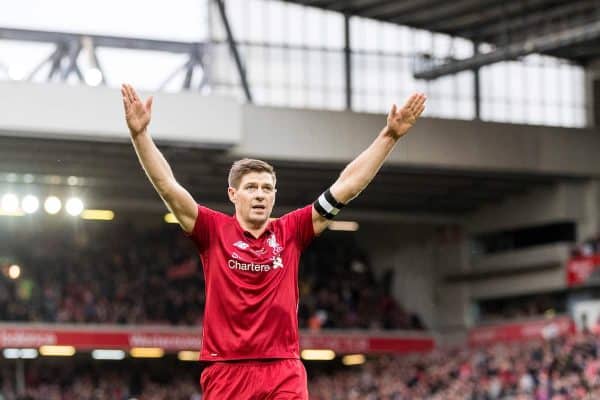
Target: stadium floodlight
349	226
57	351
188	355
146	352
30	204
98	215
74	206
29	354
317	354
14	271
353	359
101	354
10	203
93	77
11	354
52	205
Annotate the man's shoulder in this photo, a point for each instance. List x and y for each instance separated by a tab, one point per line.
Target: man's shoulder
203	210
293	218
299	212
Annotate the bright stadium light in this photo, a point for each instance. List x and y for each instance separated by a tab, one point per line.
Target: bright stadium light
11	353
102	354
317	355
57	351
93	77
29	354
14	271
188	355
98	215
353	359
146	352
74	206
52	205
72	180
30	204
348	226
9	203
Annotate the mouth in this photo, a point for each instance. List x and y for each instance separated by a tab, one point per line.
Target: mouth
259	207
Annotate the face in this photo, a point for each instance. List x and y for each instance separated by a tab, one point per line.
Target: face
254	198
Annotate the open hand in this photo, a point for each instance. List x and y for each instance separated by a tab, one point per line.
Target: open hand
137	114
399	121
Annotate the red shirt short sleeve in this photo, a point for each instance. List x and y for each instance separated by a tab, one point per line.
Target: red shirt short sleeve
251	285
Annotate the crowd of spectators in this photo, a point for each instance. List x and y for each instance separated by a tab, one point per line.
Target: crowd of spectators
100	274
561	368
117	274
558	369
77	381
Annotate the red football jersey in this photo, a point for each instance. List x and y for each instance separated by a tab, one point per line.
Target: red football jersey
251	285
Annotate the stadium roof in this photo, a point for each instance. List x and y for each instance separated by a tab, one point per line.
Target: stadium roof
567	29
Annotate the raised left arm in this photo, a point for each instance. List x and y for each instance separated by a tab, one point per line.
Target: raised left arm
360	172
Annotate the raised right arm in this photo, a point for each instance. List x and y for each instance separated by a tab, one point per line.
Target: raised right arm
176	198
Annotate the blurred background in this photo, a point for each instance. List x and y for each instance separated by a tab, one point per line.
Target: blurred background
469	268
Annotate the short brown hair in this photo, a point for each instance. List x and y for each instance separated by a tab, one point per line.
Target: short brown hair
245	166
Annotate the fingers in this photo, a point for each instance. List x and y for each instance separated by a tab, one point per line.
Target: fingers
393	111
420	101
129	93
126	94
149	104
417	103
134	94
410	101
126	101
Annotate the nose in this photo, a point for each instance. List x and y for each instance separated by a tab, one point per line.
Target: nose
260	193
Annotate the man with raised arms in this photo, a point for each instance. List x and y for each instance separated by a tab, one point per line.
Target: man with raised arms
250	262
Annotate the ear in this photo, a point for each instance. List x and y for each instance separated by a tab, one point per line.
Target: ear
231	192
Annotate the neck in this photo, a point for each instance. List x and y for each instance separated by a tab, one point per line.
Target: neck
255	229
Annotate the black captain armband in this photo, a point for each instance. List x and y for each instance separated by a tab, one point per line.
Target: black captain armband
327	206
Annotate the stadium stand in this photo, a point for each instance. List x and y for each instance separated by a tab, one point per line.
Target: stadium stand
111	275
560	368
